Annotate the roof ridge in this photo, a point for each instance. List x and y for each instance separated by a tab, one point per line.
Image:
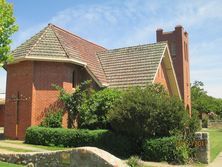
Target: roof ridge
68	56
76	36
128	47
37	41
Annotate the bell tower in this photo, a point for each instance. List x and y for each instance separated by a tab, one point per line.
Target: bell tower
178	46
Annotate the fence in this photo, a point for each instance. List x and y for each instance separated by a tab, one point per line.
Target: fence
215	124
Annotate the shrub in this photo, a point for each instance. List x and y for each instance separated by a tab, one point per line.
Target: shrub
87	107
193	125
74	101
133	161
116	144
52	119
147	112
170	149
93	112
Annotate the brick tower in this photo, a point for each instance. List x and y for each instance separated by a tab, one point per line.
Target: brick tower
178	46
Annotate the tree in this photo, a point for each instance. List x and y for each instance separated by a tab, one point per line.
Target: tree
202	102
147	112
7	28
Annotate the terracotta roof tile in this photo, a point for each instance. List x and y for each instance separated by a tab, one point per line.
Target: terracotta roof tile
83	50
122	67
132	66
54	42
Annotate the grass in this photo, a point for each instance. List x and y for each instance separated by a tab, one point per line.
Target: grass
15	149
215	142
4	164
49	148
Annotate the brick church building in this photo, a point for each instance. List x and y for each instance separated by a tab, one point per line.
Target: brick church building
56	56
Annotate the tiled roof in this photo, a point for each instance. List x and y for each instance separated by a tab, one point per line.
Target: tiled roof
122	67
132	66
54	42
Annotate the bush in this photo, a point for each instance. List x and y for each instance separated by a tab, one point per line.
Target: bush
149	112
170	149
134	161
88	108
52	119
116	144
74	101
193	125
93	112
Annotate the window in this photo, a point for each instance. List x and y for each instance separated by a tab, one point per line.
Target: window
173	49
186	51
74	79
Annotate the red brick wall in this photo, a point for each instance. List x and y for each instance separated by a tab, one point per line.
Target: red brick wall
161	77
178	39
19	79
34	80
2	111
44	95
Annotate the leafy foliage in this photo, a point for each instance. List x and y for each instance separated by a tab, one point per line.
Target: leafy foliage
204	103
116	144
73	102
7	28
134	161
52	119
95	109
148	112
170	149
87	107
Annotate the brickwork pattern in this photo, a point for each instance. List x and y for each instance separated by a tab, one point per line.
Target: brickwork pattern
34	81
178	45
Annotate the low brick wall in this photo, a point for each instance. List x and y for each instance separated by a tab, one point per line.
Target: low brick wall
202	145
79	157
214	124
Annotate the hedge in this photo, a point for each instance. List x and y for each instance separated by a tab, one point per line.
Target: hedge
116	144
169	149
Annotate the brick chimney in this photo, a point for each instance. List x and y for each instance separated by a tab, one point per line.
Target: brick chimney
178	45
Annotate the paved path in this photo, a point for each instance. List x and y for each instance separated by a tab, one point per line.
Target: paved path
217	162
5	145
160	164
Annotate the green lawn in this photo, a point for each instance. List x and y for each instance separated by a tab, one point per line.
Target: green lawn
49	148
15	149
215	142
4	164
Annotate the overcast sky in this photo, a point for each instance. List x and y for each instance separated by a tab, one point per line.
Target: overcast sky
120	23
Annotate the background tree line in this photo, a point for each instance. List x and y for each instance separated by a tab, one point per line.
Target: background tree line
204	103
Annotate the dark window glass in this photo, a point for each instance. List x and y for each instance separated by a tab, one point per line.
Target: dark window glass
74	79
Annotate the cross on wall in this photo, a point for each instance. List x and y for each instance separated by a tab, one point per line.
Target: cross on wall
17	98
